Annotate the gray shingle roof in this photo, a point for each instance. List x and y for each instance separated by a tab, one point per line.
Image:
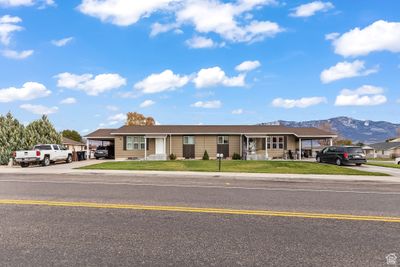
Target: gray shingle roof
385	145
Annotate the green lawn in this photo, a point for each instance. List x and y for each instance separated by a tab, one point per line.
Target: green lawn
382	164
290	167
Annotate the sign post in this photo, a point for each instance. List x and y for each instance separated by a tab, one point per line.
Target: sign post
219	157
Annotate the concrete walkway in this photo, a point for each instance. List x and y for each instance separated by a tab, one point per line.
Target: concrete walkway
72	170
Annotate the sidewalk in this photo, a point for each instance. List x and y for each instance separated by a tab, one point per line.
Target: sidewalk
65	169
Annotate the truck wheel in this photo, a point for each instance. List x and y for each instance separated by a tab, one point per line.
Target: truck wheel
69	159
24	165
46	161
339	162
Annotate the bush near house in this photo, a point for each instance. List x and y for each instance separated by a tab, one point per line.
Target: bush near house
236	156
172	156
205	156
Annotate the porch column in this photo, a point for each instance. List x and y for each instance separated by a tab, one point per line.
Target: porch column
266	147
247	147
145	148
241	146
170	144
165	145
300	148
312	152
87	148
331	141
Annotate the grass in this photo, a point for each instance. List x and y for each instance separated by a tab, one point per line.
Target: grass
381	164
289	167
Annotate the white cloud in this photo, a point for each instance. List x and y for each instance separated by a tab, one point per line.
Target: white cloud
17	55
16	3
207	104
332	36
216	76
207	16
112	108
298	103
8	25
90	84
62	42
115	119
237	111
366	95
379	36
200	42
68	101
346	69
39	109
164	81
122	12
248	66
29	91
310	9
147	103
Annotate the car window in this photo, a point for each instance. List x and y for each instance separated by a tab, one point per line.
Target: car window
42	147
332	149
355	150
101	148
55	147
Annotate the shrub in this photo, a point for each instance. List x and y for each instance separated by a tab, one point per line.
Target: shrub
172	156
236	156
205	156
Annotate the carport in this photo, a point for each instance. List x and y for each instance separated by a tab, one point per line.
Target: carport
100	137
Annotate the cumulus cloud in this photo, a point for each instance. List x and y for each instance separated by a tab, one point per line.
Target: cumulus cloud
237	111
90	84
216	76
62	42
379	36
207	104
310	9
29	91
298	103
17	3
39	109
147	103
68	101
366	95
122	12
248	66
164	81
115	119
200	42
17	55
346	69
206	16
8	25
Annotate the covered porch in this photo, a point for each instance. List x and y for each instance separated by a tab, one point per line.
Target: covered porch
160	149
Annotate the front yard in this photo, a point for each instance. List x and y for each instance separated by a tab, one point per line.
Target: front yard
289	167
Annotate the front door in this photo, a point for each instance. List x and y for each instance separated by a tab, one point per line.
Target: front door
160	147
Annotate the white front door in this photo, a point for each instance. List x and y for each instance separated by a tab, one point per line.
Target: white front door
160	146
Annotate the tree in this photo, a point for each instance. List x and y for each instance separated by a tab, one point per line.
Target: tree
72	134
343	142
11	137
134	118
42	132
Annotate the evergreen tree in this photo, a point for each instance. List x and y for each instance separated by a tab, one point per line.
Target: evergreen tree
11	137
72	134
42	132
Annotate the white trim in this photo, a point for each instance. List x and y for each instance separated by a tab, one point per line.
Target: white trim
232	133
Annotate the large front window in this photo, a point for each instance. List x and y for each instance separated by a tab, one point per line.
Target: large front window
188	140
223	140
275	142
135	143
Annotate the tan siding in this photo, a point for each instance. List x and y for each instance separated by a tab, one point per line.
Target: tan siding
177	145
203	143
291	143
234	145
152	146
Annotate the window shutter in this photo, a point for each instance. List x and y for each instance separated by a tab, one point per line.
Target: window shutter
124	145
285	140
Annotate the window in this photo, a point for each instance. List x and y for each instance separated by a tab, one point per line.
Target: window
55	147
275	142
223	140
188	140
135	143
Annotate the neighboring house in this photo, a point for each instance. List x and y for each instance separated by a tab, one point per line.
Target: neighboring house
386	149
369	151
73	145
190	141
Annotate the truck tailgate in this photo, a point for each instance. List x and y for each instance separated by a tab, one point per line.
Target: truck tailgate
25	154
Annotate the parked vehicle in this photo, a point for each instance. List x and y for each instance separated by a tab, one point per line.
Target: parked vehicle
342	155
106	152
397	161
43	154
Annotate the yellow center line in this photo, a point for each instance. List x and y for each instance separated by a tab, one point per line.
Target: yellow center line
202	210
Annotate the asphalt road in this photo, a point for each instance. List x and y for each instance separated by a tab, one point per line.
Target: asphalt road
62	231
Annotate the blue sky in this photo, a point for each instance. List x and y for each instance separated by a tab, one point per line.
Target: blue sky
86	63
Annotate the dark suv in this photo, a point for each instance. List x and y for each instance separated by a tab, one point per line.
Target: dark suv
342	155
106	152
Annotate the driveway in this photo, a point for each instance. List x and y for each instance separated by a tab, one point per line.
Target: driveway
391	171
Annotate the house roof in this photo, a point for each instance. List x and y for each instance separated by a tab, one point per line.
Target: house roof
67	141
101	133
385	145
220	129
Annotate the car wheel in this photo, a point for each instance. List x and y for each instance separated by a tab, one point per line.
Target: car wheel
358	164
318	159
339	162
46	161
69	159
24	165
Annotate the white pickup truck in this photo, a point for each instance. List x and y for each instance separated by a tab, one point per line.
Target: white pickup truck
43	154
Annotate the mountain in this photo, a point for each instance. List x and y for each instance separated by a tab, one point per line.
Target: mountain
364	131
